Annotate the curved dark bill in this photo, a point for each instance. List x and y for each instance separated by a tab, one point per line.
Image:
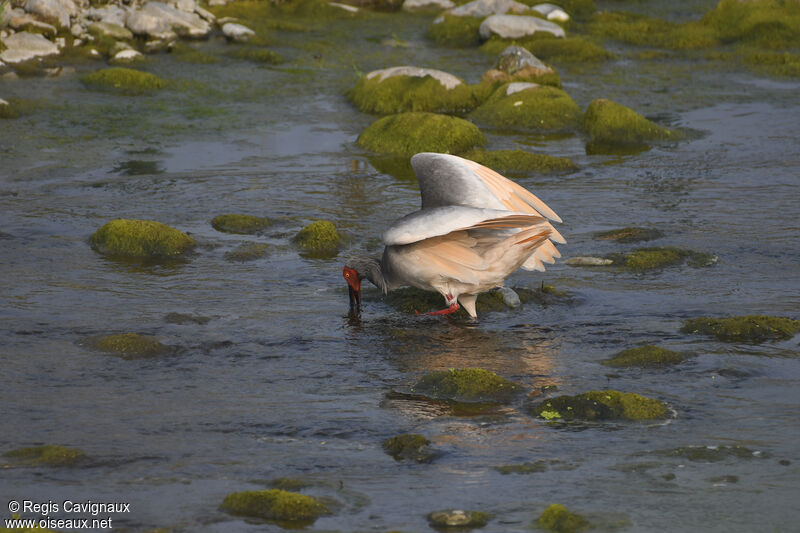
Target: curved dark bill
355	298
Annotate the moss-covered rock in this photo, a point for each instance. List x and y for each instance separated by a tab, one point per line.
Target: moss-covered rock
289	483
123	80
247	251
402	89
520	161
189	54
749	328
643	259
256	54
458	519
763	23
144	239
410	447
274	504
600	405
467	385
241	224
780	64
516	63
128	345
552	49
523	468
527	106
412	300
455	31
713	454
647	356
629	235
559	519
641	30
608	122
48	455
410	133
319	239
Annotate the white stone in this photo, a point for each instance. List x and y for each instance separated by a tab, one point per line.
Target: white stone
127	56
518	86
60	10
514	27
588	261
237	32
351	9
412	5
3	102
551	12
205	14
448	80
213	3
183	5
60	42
23	46
158	20
484	8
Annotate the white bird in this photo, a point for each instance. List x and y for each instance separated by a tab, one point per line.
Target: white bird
474	229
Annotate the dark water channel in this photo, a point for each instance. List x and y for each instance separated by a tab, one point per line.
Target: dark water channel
279	381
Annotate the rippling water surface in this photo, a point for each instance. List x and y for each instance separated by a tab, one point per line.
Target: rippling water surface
281	382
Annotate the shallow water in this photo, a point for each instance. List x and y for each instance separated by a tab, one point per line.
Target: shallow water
281	382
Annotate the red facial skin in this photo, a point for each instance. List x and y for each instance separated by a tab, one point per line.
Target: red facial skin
351	277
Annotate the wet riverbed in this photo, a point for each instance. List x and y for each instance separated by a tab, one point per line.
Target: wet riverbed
280	382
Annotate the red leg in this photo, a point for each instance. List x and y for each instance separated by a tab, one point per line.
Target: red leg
452	309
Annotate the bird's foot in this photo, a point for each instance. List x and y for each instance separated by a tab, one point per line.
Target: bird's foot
452	309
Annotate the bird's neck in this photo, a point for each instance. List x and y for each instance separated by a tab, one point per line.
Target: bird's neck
373	271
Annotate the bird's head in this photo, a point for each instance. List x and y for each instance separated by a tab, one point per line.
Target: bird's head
353	279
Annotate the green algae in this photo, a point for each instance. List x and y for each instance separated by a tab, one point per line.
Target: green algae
467	385
713	454
410	133
523	468
247	251
647	356
409	446
644	259
779	64
641	30
320	239
255	54
454	31
559	519
552	49
629	235
289	484
763	23
600	405
518	161
189	54
240	224
412	300
274	504
47	455
128	345
144	239
123	80
398	94
608	122
748	329
542	108
457	519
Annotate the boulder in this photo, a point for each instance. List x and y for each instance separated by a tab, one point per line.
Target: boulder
406	134
237	32
529	106
413	5
129	55
515	58
110	29
108	13
157	19
551	12
515	27
23	46
25	22
484	8
612	123
58	11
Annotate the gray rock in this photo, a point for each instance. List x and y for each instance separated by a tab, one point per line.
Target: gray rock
213	3
448	80
588	261
162	21
237	32
57	10
108	13
484	8
510	298
551	12
346	7
23	46
205	14
516	58
514	27
109	29
413	5
141	22
519	86
21	21
183	5
128	55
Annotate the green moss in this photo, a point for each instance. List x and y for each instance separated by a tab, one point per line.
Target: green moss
412	300
123	80
764	23
713	454
540	109
560	520
643	259
750	328
645	356
552	49
398	94
288	483
517	161
255	54
409	446
467	385
612	123
8	111
411	133
457	518
247	251
601	405
145	239
456	31
189	54
274	504
319	239
640	30
240	224
48	455
530	74
782	64
524	468
129	345
629	235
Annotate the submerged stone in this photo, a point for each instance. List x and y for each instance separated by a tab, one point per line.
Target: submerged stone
288	483
524	468
517	161
763	23
247	251
643	259
47	455
553	49
256	54
144	239
645	356
410	133
749	328
456	518
274	504
630	234
467	385
559	519
123	80
713	454
241	224
774	63
409	446
641	30
600	405
612	123
319	239
528	106
128	345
